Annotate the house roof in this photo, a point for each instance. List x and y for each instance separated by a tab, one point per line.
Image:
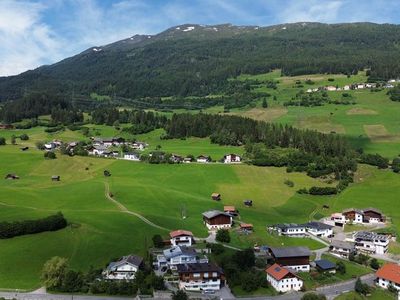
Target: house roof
389	271
179	250
325	264
373	209
278	272
351	210
130	259
369	236
199	268
318	225
290	251
214	213
215	195
289	225
229	208
176	233
245	225
342	244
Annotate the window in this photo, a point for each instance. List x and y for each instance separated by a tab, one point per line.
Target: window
196	275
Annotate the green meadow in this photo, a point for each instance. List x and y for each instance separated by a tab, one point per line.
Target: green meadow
372	123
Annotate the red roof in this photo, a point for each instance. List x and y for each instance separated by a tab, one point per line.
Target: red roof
176	233
278	272
244	225
389	271
229	208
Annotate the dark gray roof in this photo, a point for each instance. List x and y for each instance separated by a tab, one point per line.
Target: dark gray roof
179	250
214	213
131	259
369	236
290	251
325	264
289	225
318	225
199	268
342	244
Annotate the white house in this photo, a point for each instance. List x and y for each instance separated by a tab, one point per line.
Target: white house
388	275
342	248
179	255
139	146
203	159
360	86
50	146
200	276
232	158
371	242
98	150
181	238
123	269
292	230
132	156
346	88
353	215
319	229
331	88
282	279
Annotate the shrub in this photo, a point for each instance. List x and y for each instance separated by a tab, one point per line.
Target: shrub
50	155
327	190
24	137
158	241
2	141
313	296
374	264
341	267
223	236
289	183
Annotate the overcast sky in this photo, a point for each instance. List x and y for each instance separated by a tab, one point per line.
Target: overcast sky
34	32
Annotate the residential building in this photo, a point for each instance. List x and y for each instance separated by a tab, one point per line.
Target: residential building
215	219
98	150
319	229
216	196
246	228
338	219
181	238
388	275
123	269
139	146
282	279
132	156
371	242
296	258
200	277
176	255
354	216
325	266
342	248
203	159
292	230
232	158
176	158
331	88
373	216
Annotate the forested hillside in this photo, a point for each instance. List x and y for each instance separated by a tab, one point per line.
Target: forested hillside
197	60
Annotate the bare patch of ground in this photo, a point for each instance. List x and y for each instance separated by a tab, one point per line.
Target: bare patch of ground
379	134
361	111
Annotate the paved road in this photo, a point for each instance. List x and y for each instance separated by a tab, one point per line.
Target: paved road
330	291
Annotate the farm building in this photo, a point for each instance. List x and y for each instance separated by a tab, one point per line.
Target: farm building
181	238
200	276
55	178
248	203
175	158
325	266
123	269
216	196
6	126
342	248
187	160
215	219
232	158
296	258
388	275
229	209
282	279
246	228
368	215
24	148
12	176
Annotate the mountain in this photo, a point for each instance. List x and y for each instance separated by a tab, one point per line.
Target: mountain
193	59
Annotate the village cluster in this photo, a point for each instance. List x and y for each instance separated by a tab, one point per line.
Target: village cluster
192	271
356	86
111	148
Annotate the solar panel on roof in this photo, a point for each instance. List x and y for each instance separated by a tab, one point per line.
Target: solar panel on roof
277	269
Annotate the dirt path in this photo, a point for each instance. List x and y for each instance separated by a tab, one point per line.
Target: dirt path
122	208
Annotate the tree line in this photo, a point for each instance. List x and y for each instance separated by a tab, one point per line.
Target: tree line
17	228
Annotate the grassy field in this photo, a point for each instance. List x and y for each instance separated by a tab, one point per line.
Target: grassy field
353	270
371	123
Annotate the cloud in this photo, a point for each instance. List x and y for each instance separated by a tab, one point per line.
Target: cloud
25	40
